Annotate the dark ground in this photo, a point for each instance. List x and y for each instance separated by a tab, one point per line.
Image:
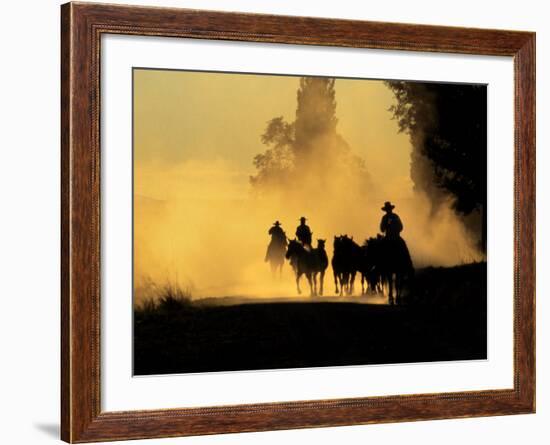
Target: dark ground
444	318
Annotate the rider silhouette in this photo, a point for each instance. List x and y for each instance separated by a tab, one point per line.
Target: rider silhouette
278	237
395	250
277	234
303	233
391	224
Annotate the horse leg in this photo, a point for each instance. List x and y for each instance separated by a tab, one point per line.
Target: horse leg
350	283
345	291
310	281
397	288
298	275
398	284
321	279
314	276
336	283
344	281
390	282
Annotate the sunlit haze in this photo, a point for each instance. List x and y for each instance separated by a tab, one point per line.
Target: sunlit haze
199	223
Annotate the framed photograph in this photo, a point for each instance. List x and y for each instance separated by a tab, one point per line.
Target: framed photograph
274	222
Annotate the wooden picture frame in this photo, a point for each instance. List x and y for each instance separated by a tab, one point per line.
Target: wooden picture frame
82	25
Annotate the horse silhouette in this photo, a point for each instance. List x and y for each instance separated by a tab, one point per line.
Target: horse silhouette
345	263
303	262
320	265
387	262
369	268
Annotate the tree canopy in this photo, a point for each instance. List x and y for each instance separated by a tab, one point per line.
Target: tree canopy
447	124
308	145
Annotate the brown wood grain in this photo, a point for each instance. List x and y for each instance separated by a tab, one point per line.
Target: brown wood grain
81	28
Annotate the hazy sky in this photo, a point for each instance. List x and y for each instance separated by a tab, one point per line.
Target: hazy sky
181	116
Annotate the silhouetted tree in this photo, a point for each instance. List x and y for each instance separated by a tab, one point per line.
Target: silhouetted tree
447	124
315	114
310	144
277	162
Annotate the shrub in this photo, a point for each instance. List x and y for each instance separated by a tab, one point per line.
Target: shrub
169	298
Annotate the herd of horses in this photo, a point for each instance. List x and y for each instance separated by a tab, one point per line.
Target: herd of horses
383	264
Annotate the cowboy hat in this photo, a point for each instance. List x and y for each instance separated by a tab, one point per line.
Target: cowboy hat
303	218
388	206
277	223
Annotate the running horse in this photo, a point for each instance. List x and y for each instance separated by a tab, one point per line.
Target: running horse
304	263
320	265
392	264
371	280
345	263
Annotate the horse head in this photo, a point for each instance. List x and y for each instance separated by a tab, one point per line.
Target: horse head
294	248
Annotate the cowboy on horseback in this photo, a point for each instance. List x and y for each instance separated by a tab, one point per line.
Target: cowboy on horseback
277	233
276	249
391	224
303	233
397	257
278	239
